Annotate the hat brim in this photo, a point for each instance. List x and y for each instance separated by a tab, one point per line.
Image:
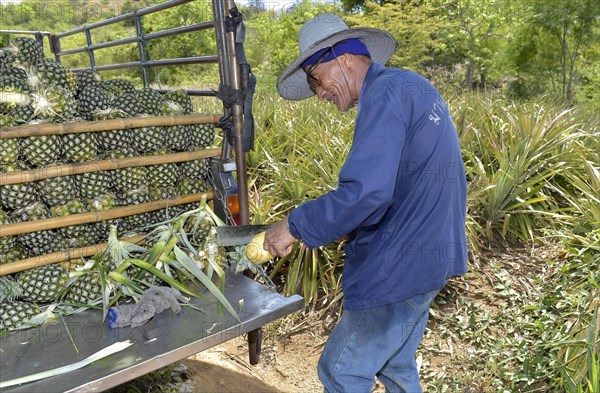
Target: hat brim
292	84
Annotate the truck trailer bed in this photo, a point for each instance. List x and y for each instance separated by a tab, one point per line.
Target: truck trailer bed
165	339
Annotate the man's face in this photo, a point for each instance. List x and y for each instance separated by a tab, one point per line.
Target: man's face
332	83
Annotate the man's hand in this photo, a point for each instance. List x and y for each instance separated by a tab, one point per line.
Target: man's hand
278	239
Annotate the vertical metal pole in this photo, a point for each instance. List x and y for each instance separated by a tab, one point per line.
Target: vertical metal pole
88	38
55	47
142	48
254	336
224	70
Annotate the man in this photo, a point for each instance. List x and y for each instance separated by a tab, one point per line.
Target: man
400	199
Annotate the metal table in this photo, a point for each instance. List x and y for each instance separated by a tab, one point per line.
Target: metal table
176	337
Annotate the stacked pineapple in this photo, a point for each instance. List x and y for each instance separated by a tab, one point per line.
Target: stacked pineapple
36	90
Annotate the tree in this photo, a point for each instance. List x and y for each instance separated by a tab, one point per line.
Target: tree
560	29
479	24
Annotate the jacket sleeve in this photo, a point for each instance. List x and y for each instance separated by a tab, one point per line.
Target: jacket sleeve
366	181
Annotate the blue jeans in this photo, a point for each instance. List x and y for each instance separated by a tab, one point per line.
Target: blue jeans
379	341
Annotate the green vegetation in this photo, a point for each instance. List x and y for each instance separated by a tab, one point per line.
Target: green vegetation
522	80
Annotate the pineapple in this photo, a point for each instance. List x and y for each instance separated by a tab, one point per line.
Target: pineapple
22	114
116	87
56	190
54	102
16	196
129	104
43	284
76	235
16	313
7	243
203	135
16	72
27	50
152	101
72	264
178	138
41	150
13	254
86	289
92	99
192	186
162	175
13	92
148	139
177	102
9	148
196	169
93	184
80	147
8	58
40	242
87	78
135	197
102	202
127	178
112	140
47	72
157	193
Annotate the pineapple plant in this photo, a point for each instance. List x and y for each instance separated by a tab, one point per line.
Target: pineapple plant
43	284
16	196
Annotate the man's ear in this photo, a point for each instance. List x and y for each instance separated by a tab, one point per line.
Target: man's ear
346	60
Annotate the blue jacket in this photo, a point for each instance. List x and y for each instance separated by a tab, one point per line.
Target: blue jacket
401	195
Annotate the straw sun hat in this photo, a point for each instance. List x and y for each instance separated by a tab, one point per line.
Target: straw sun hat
322	32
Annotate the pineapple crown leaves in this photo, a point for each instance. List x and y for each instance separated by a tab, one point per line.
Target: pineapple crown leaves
9	289
118	250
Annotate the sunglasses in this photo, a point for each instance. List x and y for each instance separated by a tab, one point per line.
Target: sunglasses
313	82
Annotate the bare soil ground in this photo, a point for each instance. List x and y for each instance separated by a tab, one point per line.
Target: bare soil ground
291	346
